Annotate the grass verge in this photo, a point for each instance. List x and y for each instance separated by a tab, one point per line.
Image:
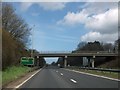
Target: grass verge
0	79
13	73
101	73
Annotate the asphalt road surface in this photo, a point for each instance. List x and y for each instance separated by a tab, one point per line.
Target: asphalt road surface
53	77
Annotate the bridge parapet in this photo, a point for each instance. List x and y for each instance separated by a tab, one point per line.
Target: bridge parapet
50	52
95	52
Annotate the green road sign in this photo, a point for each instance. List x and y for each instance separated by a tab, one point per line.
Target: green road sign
27	60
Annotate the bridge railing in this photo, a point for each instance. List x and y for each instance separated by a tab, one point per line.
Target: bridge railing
55	51
94	52
101	69
95	69
49	52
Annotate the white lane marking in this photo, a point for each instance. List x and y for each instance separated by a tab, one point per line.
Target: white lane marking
61	74
27	79
94	75
73	80
56	71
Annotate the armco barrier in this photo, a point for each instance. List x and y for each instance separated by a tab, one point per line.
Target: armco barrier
101	69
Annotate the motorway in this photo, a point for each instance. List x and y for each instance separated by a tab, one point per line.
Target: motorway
54	77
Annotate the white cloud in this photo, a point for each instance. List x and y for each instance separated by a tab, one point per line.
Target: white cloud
100	20
105	22
99	7
60	0
92	36
25	5
52	6
74	18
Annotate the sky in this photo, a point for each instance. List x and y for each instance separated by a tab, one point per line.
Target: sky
60	26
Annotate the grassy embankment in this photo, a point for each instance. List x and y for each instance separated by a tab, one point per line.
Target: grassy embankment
101	73
114	64
108	65
13	73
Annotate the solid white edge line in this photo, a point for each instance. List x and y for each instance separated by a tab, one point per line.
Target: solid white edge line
94	75
61	74
27	79
73	80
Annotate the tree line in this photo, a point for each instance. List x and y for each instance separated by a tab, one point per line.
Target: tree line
97	46
15	37
92	46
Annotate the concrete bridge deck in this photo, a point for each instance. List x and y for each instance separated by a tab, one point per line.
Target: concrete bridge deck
89	55
82	54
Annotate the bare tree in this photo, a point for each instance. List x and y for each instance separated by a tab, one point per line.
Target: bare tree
15	36
108	47
14	24
117	45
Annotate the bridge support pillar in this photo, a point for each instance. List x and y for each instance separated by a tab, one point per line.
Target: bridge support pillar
65	61
38	61
93	62
88	62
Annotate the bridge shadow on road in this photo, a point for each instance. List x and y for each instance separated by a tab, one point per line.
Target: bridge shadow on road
51	67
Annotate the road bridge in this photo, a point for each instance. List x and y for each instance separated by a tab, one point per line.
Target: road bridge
82	54
91	55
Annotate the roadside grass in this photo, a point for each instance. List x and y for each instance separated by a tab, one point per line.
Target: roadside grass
0	79
101	73
13	73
